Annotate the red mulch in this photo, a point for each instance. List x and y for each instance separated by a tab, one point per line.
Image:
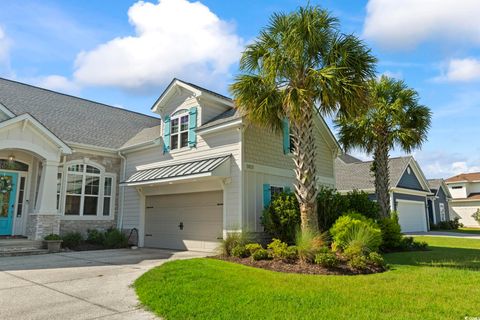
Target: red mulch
300	267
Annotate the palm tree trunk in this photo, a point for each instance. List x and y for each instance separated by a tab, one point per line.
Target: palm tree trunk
305	169
382	178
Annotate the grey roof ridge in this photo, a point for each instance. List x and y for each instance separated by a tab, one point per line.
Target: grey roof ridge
75	97
369	161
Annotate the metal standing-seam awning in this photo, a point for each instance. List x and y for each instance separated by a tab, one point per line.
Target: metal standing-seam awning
211	167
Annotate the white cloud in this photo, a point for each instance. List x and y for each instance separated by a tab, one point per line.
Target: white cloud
58	83
173	38
461	70
393	74
404	24
441	164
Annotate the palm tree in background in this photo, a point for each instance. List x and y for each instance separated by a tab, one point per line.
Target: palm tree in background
298	66
394	119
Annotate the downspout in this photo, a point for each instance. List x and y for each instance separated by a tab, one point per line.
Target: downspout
122	192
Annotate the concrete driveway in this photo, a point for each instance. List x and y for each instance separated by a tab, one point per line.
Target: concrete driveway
78	285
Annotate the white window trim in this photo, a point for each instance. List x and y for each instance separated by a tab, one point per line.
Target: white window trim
102	175
178	115
443	214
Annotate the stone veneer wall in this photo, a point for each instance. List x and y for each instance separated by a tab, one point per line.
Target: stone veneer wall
111	165
41	225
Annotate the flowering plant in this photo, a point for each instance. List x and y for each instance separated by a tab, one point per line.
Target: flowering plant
5	184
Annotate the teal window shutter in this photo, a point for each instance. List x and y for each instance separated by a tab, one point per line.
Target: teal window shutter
266	195
286	136
166	134
192	125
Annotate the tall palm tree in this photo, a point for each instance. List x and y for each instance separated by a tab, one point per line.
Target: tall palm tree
301	64
394	119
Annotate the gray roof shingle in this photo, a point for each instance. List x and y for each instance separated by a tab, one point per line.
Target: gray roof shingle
74	119
229	115
146	135
357	175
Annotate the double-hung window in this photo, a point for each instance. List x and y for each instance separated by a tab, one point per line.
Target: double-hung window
179	131
89	192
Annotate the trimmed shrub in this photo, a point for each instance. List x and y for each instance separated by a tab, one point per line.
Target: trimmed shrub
391	232
95	236
376	259
327	259
448	225
353	229
409	244
358	262
253	247
232	240
308	244
331	205
475	216
240	251
281	218
72	240
261	254
115	239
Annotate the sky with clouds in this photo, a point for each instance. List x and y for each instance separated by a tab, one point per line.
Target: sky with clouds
124	53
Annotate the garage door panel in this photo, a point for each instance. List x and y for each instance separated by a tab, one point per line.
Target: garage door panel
200	213
411	216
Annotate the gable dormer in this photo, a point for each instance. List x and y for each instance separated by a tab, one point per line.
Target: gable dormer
183	107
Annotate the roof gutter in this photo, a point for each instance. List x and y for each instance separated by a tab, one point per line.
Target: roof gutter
222	126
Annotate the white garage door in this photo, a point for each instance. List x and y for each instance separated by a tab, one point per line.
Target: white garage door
411	216
191	221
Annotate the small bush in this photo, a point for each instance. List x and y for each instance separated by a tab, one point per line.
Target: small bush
355	229
253	247
260	254
409	244
475	216
52	236
376	259
72	240
240	251
327	259
115	239
447	225
358	262
308	244
95	236
282	217
278	248
291	254
232	240
391	232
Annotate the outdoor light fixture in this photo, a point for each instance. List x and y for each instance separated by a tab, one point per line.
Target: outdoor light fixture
11	158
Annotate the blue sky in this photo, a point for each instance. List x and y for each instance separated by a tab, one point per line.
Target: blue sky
124	53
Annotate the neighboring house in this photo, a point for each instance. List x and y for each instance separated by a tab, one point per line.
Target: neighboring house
408	193
182	180
438	204
465	191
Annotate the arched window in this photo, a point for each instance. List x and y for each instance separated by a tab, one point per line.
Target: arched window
89	191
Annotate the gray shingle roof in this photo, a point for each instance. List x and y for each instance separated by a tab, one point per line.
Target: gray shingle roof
357	175
229	115
145	135
435	184
74	119
177	170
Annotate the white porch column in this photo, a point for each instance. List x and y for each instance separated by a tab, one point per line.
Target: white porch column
47	193
45	220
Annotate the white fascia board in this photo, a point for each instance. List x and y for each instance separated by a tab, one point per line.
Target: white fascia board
220	127
141	146
5	110
40	127
412	192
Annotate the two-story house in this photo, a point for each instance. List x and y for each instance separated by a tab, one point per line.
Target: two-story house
465	191
183	177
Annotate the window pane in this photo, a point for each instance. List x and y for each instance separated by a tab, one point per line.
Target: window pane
76	168
72	205
184	123
91	169
59	181
275	190
106	206
108	186
183	139
92	185
174	142
74	184
174	126
90	205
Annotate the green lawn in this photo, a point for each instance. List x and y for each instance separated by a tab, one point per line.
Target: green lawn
465	230
443	283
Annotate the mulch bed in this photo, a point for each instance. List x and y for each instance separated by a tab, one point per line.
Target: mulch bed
299	267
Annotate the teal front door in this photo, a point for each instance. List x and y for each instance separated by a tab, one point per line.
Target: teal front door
8	188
